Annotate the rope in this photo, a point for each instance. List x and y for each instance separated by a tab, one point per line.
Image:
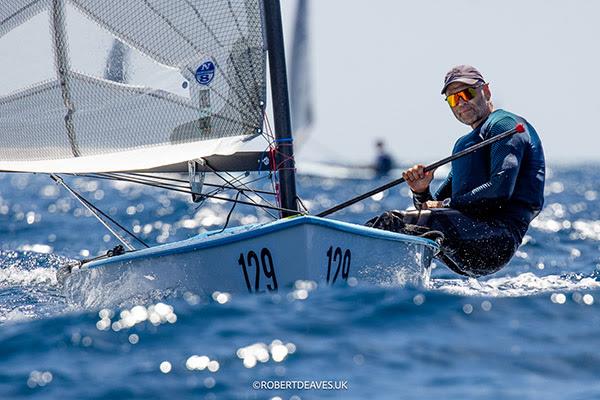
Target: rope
95	211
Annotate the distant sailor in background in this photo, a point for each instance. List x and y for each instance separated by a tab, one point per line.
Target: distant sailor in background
384	161
485	205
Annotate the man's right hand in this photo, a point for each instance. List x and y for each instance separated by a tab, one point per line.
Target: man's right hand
417	179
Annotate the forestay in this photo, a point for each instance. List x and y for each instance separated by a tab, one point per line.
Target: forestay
112	85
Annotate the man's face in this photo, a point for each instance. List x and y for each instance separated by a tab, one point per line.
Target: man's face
469	112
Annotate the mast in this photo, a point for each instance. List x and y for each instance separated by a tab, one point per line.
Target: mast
284	155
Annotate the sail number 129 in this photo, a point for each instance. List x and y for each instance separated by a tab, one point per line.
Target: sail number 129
261	266
343	264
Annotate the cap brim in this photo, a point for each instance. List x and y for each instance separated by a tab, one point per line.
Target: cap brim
468	81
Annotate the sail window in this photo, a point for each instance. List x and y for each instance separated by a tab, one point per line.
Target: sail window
97	52
27	56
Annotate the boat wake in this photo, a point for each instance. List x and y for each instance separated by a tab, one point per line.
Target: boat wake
525	284
28	268
29	285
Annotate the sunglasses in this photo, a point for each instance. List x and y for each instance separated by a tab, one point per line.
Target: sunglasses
466	94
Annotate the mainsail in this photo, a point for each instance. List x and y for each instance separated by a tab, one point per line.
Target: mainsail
112	85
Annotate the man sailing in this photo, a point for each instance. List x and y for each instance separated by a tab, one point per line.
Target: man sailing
490	196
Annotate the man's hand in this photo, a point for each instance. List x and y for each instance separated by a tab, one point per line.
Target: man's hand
417	179
432	204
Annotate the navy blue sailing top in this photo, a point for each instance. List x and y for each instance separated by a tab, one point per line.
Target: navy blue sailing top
502	182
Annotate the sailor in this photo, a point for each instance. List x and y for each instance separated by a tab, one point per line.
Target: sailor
384	161
484	206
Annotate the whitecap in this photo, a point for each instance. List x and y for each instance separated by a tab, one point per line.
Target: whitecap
525	284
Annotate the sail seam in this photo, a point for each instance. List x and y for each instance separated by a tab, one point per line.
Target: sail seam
23	9
62	64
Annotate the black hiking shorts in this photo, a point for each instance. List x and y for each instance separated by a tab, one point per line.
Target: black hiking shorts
470	246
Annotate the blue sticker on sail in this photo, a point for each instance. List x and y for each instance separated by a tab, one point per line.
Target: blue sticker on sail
205	73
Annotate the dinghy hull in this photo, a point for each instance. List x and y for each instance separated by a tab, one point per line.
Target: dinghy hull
257	259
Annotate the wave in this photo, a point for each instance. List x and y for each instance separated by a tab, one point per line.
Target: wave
525	284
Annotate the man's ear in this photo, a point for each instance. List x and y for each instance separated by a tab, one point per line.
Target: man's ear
487	92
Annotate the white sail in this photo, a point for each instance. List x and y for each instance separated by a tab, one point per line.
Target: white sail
302	111
192	83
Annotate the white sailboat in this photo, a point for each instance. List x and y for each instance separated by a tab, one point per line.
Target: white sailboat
194	92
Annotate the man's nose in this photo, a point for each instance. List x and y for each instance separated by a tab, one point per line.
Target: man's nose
461	101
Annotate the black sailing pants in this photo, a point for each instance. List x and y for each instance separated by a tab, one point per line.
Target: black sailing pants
471	246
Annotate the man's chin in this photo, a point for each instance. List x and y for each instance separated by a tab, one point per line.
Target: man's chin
467	121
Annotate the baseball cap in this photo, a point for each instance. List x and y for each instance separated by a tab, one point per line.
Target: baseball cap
463	73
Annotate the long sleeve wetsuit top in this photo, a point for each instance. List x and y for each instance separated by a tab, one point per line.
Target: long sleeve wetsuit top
502	182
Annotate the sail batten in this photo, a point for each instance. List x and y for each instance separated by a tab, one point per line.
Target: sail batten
184	74
61	55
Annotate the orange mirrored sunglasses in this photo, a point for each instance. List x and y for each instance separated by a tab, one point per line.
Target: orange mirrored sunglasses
466	94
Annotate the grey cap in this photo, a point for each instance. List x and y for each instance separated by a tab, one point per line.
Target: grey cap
463	73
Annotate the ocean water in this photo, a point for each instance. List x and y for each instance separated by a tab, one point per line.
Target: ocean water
530	331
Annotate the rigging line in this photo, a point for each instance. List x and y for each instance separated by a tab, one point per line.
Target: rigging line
259	196
219	188
213	192
258	179
177	188
272	143
187	181
302	204
146	182
230	212
187	191
113	221
170	186
97	212
165	185
239	178
268	126
254	180
116	251
241	191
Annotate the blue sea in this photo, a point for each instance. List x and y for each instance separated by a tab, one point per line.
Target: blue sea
530	331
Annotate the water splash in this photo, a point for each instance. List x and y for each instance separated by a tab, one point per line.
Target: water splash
525	284
29	281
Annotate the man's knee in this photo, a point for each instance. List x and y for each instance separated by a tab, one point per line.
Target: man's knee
392	221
